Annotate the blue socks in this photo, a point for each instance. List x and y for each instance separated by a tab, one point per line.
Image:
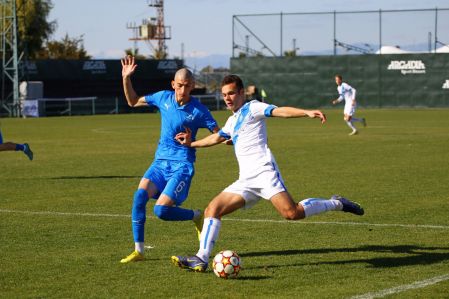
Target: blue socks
20	147
168	213
139	214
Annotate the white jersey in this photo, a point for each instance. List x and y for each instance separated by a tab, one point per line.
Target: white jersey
347	93
247	129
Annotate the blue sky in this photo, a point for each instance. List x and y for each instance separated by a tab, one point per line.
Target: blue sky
205	26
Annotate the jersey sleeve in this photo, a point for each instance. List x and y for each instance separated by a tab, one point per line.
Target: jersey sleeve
155	98
350	89
340	91
225	132
261	110
208	121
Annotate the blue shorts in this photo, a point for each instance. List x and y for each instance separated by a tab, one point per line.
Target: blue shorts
171	178
1	137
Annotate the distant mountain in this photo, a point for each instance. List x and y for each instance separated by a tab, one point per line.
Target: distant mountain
422	47
372	48
216	61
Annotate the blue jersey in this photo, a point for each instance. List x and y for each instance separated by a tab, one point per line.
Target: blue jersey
174	118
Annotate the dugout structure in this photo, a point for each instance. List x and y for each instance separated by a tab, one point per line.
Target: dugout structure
403	80
67	82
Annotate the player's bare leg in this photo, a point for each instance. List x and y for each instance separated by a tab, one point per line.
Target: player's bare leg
11	146
285	205
348	120
223	204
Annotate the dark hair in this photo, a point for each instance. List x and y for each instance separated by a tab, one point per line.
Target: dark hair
339	76
229	79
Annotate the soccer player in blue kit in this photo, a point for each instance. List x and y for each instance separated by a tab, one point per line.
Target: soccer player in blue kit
168	178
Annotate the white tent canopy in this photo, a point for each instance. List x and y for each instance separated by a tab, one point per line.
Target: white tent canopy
443	49
391	50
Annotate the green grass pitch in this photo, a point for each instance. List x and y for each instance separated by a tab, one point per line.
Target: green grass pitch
65	217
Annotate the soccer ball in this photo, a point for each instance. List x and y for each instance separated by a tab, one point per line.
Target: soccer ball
226	264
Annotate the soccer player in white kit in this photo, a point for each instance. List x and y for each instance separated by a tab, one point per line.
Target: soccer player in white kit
259	175
347	93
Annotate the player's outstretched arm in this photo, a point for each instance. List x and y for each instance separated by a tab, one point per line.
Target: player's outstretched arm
128	68
185	138
289	112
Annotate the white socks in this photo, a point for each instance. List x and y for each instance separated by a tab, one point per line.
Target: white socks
209	234
349	123
139	247
313	206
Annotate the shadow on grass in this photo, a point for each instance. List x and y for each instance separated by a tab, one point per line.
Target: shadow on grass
411	255
253	277
96	177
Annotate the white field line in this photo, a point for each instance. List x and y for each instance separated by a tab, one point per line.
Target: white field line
63	213
403	288
344	223
379	294
51	213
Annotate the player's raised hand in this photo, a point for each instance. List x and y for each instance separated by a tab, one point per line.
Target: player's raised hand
316	114
128	66
184	138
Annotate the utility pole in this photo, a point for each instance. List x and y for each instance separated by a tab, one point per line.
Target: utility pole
153	29
160	28
10	58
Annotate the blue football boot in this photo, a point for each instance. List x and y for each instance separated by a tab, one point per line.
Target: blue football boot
349	206
193	263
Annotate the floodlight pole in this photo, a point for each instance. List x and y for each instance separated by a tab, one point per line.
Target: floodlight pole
233	41
10	58
436	28
379	70
281	19
380	31
335	33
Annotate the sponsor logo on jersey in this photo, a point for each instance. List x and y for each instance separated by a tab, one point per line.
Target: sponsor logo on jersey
190	117
408	67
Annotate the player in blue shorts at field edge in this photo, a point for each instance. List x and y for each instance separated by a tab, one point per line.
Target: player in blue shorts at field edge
11	146
168	178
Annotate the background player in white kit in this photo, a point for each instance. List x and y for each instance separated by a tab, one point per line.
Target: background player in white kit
259	174
347	93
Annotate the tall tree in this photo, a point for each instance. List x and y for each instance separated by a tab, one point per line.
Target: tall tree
135	53
67	48
159	54
33	27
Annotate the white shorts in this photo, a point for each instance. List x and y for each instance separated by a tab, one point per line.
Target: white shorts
264	185
349	110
